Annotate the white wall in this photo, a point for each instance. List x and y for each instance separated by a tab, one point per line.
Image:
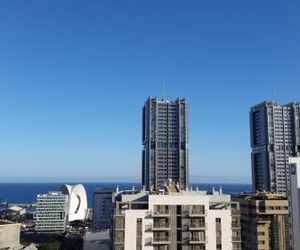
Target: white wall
131	217
294	200
10	236
225	216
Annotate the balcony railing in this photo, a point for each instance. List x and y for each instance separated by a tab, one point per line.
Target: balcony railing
196	212
236	238
161	226
160	240
160	213
197	226
119	240
197	240
157	241
120	227
236	225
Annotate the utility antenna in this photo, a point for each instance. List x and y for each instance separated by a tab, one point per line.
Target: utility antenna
273	95
164	89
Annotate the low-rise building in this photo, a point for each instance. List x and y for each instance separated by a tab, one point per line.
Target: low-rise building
12	212
264	218
50	214
97	240
175	219
9	235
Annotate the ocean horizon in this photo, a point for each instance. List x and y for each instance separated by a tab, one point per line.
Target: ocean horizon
27	192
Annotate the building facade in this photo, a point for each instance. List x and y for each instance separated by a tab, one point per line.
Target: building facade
264	219
275	136
51	211
174	219
103	209
294	201
165	143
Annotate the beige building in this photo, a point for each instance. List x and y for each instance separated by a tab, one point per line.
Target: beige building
264	217
176	219
10	237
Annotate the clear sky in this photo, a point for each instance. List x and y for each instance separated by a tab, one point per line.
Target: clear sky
74	76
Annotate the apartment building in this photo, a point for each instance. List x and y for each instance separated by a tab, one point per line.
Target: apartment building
264	218
175	219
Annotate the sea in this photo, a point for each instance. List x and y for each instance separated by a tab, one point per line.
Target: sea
20	193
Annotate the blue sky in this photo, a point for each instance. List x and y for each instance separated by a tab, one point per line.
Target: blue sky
74	76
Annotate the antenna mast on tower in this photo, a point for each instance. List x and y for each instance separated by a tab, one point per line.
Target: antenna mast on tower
164	90
273	95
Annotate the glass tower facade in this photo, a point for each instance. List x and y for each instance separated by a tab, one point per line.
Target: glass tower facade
165	141
275	136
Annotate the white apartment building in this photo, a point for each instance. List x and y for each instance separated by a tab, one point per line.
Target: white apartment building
174	219
294	200
51	212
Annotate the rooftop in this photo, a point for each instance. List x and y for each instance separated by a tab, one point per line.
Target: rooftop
262	196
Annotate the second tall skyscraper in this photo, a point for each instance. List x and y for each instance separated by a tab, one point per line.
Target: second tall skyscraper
165	140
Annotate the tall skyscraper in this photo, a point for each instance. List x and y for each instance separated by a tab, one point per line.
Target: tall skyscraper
275	136
165	141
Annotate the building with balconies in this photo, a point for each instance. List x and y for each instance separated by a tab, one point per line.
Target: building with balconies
264	217
175	219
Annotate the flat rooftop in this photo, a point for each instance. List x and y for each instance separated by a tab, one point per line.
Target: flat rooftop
262	196
4	222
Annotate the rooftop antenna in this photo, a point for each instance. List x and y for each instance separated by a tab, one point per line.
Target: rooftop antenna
273	95
164	89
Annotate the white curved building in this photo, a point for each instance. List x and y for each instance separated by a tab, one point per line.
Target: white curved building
77	201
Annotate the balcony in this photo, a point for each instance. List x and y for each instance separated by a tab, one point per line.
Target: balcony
197	226
161	226
197	240
119	241
236	225
119	227
236	238
160	240
196	213
161	213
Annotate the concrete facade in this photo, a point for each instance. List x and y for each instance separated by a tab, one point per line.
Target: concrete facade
264	218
